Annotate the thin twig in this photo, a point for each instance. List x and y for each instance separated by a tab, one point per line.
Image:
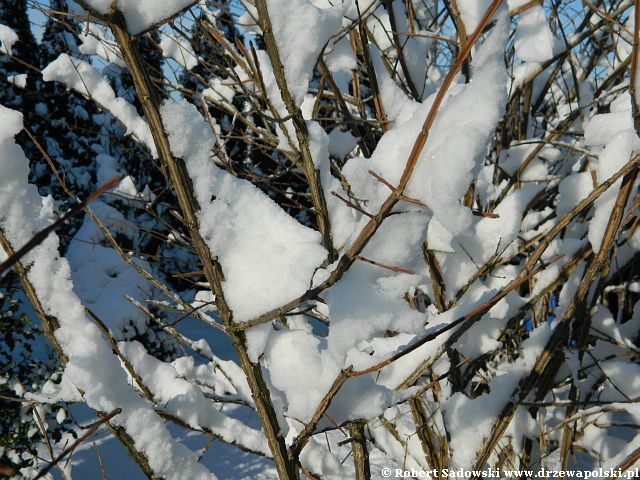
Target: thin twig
94	428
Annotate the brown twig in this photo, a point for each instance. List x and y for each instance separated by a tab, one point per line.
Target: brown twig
382	265
347	259
351	204
359	449
304	436
39	237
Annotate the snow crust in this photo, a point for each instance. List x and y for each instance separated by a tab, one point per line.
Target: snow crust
267	257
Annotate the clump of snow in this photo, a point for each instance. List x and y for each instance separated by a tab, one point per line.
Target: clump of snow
298	369
176	47
572	190
141	15
219	91
186	400
341	143
603	127
95	42
511	158
472	12
534	40
18	80
487	237
293	21
397	106
86	80
340	60
380	293
10	122
343	219
8	38
267	257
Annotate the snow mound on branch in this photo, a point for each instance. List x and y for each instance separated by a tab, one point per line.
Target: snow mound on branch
86	80
615	131
178	48
8	38
398	107
298	368
141	14
267	257
18	80
534	40
472	12
461	134
602	128
186	400
95	41
294	23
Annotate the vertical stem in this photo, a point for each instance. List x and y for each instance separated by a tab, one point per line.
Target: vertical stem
434	451
366	141
49	324
371	72
360	453
633	83
437	282
454	12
